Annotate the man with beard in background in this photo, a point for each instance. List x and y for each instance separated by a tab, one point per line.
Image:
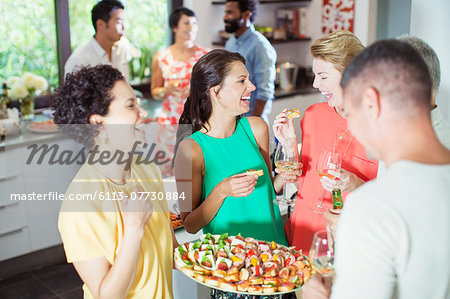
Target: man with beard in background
259	54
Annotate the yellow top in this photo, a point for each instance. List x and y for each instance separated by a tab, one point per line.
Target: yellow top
93	227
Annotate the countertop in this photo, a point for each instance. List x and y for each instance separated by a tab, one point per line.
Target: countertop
25	137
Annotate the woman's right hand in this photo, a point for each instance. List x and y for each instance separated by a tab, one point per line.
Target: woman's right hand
238	185
284	129
137	212
291	176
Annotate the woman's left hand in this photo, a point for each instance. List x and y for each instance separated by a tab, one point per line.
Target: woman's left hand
185	91
346	181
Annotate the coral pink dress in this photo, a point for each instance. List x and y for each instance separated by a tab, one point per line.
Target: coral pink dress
323	128
173	105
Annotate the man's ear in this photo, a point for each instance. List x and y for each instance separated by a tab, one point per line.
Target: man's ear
247	15
95	119
100	24
372	102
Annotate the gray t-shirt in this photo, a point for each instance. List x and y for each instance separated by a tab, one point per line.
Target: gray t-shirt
393	237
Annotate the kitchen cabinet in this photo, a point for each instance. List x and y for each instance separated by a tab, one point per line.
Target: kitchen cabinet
294	49
14	239
272	41
267	1
271	21
28	225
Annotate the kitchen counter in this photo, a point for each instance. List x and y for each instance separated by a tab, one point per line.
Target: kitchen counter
25	137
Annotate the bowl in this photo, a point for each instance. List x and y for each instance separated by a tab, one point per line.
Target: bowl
9	126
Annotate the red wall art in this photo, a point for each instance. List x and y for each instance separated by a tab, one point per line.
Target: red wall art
337	15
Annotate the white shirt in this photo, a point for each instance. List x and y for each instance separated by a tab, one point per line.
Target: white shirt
92	54
393	237
441	127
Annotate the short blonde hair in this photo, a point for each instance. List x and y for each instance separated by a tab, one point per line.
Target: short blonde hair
338	48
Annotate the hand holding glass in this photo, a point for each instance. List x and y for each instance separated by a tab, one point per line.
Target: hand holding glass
329	160
322	253
174	84
286	159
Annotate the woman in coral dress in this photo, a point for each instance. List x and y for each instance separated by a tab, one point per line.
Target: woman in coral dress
324	126
171	74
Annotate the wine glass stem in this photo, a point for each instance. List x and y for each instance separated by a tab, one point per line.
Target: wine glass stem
284	192
320	204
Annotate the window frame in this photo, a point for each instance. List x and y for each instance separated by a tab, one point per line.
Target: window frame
64	50
62	25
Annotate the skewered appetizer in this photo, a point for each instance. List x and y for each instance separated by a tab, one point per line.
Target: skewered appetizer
237	264
258	172
293	113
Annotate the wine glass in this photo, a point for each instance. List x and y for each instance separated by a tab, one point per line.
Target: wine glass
177	82
286	159
322	253
329	160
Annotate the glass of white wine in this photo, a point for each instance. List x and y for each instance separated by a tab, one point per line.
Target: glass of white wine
329	160
322	253
286	159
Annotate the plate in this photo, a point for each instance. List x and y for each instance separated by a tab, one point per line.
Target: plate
178	227
43	127
227	255
238	292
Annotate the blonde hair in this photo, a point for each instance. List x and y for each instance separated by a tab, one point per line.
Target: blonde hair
338	48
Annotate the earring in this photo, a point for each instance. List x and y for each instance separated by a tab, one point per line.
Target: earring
103	135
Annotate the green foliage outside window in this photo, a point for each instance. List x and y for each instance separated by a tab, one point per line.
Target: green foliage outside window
146	27
28	39
28	35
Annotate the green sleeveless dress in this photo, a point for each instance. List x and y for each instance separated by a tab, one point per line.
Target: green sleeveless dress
253	216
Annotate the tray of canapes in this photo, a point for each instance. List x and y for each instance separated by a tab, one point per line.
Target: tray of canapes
243	265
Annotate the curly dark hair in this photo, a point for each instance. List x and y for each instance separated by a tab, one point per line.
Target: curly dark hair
83	93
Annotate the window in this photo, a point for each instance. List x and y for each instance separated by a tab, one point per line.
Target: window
146	28
28	36
28	39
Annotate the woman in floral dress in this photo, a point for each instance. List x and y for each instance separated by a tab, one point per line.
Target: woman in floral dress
171	74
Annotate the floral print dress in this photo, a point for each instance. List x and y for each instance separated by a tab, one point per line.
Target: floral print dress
173	105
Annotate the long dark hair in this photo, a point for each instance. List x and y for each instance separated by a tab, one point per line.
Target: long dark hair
210	70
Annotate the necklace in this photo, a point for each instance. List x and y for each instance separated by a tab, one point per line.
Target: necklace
341	136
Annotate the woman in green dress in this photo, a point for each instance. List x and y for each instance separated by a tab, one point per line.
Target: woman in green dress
216	146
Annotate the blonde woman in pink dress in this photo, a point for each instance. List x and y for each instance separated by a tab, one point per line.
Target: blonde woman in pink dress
171	74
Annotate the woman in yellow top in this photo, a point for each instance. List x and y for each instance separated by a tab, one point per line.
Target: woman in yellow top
121	247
